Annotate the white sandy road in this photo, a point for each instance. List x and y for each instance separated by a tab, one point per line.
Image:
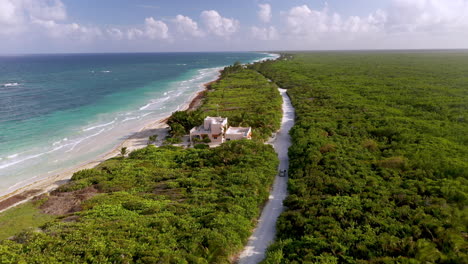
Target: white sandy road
265	231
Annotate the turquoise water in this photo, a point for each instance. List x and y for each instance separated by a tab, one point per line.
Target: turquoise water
58	111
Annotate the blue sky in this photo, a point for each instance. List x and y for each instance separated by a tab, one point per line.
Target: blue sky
38	26
131	11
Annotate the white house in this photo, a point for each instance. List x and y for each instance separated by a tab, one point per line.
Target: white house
214	128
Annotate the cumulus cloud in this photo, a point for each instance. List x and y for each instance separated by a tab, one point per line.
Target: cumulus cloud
115	33
45	10
134	33
403	23
422	16
16	15
264	14
218	25
303	21
427	15
156	29
8	13
44	17
269	33
69	31
185	25
48	18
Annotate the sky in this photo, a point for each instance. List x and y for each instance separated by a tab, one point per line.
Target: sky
69	26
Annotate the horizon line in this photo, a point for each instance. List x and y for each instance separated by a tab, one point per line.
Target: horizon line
231	51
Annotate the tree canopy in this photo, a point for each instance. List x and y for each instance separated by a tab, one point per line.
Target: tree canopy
378	166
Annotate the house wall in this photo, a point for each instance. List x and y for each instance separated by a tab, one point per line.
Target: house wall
234	136
219	139
216	129
207	124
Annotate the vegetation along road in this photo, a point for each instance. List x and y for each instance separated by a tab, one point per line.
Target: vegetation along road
265	232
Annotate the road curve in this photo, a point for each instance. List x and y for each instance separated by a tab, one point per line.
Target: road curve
265	231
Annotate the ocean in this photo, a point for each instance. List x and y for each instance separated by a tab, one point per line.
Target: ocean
62	110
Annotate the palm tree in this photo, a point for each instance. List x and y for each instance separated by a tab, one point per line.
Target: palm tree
123	151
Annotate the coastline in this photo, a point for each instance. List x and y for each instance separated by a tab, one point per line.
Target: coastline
135	140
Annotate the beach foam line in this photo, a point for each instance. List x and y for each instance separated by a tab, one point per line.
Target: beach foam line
129	118
29	157
155	102
60	141
74	144
13	156
98	126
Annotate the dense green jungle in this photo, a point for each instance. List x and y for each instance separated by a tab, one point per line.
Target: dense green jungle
379	161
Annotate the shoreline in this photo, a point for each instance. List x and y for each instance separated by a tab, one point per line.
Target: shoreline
135	140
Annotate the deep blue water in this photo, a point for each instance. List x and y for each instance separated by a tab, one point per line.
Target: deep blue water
52	105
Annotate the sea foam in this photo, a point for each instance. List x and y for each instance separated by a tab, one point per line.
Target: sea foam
10	84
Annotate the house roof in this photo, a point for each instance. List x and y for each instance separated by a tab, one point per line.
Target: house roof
239	130
200	130
216	119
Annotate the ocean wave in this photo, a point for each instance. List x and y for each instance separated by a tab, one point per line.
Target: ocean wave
60	141
98	126
75	143
129	118
154	102
106	71
10	84
3	166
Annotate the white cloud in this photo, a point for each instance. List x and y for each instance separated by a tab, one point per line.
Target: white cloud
301	20
45	10
16	15
218	25
155	29
41	17
403	23
187	26
264	14
403	16
134	33
7	12
269	33
306	22
427	15
69	31
115	33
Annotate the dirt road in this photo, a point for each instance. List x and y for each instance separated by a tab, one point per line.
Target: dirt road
265	231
